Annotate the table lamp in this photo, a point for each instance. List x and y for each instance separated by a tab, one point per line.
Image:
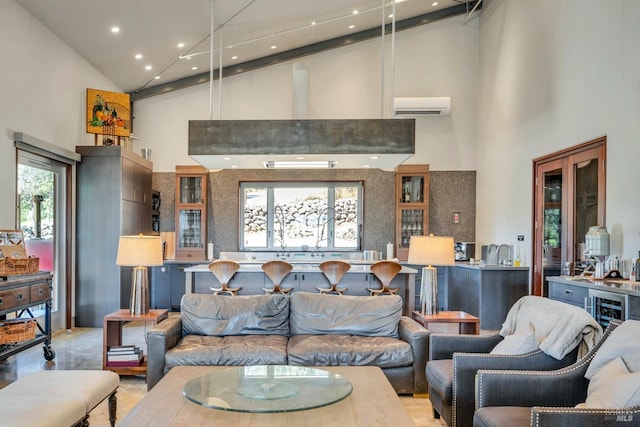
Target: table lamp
139	252
429	251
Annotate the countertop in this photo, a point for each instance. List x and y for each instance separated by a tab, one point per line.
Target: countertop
620	286
491	267
306	267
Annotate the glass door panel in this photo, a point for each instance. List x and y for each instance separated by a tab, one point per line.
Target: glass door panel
190	189
190	229
412	189
552	225
412	224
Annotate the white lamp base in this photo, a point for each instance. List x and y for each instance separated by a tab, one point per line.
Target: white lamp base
139	291
429	291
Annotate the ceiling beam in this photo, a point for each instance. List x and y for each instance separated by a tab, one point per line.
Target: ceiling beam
300	52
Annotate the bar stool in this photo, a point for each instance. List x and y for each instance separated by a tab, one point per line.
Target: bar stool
224	271
276	271
385	271
333	271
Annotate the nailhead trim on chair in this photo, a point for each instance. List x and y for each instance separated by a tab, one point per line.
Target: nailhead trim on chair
612	412
454	421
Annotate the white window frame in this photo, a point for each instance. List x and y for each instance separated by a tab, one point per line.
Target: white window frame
272	243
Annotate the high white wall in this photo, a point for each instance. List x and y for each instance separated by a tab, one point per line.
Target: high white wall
554	74
42	93
439	59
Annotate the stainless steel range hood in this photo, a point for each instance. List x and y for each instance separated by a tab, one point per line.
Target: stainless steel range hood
249	144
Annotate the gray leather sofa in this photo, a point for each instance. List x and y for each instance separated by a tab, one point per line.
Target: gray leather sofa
302	329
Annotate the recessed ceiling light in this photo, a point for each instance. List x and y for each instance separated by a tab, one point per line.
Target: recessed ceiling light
180	45
188	57
115	29
157	77
227	158
351	27
273	46
194	67
234	57
366	166
390	15
148	67
300	158
234	166
138	56
374	157
355	12
313	22
435	3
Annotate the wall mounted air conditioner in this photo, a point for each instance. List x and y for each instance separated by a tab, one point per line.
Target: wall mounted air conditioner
425	106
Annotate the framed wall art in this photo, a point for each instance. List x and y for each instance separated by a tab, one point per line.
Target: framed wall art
108	114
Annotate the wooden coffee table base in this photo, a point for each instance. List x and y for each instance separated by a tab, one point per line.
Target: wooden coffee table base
373	402
468	324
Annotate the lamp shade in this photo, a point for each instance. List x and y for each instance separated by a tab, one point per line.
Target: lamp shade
139	251
431	250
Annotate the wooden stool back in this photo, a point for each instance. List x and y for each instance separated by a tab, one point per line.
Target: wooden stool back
385	271
276	271
224	271
334	271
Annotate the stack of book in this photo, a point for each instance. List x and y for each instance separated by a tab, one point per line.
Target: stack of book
124	355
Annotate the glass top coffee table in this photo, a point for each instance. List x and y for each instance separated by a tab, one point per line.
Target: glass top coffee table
267	388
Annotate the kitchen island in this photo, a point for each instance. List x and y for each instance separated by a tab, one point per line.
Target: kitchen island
487	292
305	276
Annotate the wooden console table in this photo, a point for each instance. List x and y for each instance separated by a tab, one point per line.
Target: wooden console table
112	335
468	324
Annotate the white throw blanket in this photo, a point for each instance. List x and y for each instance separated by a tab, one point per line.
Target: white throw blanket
559	327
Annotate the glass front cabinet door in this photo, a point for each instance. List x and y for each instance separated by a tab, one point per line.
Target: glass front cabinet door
191	213
412	206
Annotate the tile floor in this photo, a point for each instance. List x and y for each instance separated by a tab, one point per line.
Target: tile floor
81	348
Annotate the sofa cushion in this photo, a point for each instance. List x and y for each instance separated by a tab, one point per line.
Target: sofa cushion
440	378
228	351
219	315
613	387
623	342
317	314
348	350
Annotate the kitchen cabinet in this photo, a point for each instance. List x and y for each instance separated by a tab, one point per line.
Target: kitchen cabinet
486	292
604	299
191	212
168	285
412	206
113	199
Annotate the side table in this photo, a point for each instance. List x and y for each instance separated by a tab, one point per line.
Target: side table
468	324
112	335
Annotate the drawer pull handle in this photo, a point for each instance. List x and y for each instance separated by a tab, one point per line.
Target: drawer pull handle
40	291
19	296
1	301
567	291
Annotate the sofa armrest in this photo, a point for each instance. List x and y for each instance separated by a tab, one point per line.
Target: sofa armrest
466	365
418	337
160	339
573	417
562	387
442	346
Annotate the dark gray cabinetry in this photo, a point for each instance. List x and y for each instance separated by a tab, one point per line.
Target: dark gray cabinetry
570	294
113	199
634	308
486	292
168	285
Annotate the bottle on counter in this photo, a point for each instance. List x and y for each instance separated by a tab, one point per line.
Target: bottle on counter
636	267
516	259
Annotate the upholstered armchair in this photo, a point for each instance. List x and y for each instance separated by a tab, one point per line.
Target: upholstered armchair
455	359
549	398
